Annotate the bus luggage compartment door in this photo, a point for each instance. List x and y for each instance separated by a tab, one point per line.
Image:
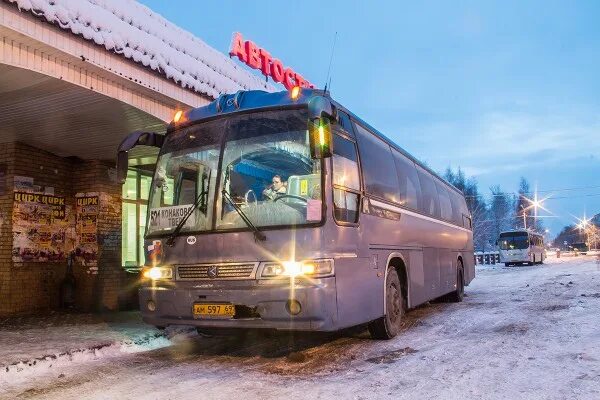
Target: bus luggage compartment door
359	290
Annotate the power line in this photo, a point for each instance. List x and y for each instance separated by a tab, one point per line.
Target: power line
538	191
518	194
572	197
567	189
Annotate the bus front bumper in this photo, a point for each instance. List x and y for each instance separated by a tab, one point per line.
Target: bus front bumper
258	304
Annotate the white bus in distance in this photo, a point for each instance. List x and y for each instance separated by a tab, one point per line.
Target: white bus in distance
521	246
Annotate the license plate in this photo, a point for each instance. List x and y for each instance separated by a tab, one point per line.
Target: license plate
213	310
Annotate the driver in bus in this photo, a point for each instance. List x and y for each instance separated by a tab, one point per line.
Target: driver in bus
276	189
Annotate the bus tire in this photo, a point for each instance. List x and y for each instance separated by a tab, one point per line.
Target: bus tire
507	264
458	295
389	325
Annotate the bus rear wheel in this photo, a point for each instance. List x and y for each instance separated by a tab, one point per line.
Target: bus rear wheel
458	294
390	324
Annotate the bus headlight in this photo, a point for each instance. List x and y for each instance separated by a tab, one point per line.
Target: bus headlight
156	273
311	268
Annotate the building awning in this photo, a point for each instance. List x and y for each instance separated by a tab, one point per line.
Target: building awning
65	119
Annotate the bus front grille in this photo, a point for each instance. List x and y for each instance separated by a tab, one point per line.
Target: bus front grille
216	271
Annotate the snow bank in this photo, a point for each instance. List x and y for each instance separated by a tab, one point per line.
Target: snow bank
136	32
83	350
23	370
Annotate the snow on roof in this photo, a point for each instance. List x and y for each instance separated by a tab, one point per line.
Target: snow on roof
136	32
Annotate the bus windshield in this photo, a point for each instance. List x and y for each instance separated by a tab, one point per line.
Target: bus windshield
513	241
266	169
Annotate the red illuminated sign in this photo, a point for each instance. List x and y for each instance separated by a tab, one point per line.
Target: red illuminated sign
258	58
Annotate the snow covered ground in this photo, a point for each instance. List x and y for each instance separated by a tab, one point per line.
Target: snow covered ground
33	338
521	333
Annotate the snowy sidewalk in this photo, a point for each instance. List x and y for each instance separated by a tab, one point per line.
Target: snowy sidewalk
25	341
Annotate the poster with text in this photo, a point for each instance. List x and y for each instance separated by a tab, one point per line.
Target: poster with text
87	209
40	226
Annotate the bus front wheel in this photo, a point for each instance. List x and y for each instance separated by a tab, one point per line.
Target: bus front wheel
389	325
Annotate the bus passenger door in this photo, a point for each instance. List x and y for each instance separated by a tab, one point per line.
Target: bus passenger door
357	278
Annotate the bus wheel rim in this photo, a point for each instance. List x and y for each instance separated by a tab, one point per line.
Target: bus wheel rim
394	303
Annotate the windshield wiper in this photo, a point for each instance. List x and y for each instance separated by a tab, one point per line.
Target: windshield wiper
171	239
258	235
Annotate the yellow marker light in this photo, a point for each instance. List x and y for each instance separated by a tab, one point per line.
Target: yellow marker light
177	116
308	269
295	92
321	135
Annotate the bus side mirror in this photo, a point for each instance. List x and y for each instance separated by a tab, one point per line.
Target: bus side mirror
137	138
321	113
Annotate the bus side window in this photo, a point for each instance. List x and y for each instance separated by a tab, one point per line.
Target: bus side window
346	124
455	203
445	203
410	189
431	201
377	165
346	180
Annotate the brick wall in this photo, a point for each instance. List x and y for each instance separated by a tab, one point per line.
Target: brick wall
33	286
7	160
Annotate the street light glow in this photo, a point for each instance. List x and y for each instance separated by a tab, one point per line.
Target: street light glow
536	203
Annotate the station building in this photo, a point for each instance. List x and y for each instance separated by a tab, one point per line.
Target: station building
75	79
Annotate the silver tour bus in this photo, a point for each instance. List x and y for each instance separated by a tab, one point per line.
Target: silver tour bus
521	246
286	211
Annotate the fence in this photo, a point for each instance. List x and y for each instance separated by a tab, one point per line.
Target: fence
488	257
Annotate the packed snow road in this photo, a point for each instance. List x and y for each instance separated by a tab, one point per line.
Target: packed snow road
521	333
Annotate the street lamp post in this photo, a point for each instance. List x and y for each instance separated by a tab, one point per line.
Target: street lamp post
524	217
534	203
